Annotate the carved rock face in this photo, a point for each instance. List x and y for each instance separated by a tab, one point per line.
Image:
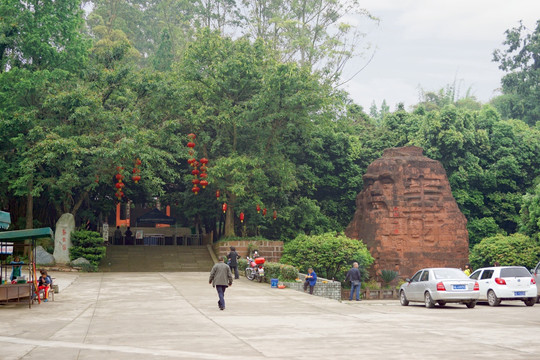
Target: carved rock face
407	216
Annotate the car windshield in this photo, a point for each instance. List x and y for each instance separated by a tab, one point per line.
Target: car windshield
515	272
441	274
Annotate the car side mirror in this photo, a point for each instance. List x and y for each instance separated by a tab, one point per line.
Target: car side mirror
408	280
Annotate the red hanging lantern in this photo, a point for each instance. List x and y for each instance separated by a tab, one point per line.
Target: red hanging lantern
241	217
119	185
224	207
264	212
204	161
191	161
136	178
217	194
195	172
204	168
191	152
191	144
195	181
195	189
118	176
138	162
258	208
97	179
275	215
191	136
195	163
204	183
203	175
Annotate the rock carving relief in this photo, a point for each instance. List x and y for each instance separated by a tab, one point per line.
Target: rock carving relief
407	216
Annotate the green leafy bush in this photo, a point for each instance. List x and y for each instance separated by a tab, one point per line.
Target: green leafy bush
89	245
242	264
516	249
330	254
271	270
388	276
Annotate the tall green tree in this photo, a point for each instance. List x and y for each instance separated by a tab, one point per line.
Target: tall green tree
249	112
521	84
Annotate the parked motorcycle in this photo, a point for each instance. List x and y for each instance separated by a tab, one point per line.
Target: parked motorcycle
255	269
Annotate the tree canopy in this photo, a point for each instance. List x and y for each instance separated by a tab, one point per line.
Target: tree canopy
83	96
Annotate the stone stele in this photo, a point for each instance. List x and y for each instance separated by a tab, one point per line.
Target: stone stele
407	216
62	238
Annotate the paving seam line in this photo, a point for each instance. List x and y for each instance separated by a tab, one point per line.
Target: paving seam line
212	320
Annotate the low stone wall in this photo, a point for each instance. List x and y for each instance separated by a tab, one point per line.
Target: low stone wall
367	294
269	249
325	288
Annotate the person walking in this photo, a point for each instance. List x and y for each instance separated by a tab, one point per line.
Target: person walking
355	277
233	261
311	281
221	278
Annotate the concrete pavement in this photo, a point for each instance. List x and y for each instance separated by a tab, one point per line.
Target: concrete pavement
175	316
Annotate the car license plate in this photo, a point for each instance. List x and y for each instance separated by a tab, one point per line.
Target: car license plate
519	293
459	287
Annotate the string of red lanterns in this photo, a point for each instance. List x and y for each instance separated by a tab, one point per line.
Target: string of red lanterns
136	171
197	171
120	184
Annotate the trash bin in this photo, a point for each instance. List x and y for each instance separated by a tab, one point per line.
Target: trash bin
274	283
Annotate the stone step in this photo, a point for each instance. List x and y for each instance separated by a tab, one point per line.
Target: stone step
156	258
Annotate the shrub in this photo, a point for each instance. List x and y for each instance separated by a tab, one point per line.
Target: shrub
89	245
516	249
330	254
242	265
271	270
388	276
288	273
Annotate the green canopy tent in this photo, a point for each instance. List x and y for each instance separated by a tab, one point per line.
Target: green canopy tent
5	220
7	241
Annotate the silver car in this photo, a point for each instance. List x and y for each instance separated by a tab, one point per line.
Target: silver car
441	286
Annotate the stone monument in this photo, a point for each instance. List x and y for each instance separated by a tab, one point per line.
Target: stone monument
62	238
407	216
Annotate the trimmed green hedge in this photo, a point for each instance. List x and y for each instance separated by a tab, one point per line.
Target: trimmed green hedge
89	245
273	270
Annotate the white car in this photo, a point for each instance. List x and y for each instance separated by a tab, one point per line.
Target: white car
441	286
505	283
536	276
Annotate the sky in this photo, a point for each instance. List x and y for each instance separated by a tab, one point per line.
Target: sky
428	44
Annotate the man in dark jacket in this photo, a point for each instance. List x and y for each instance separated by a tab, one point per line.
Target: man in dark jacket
354	276
233	261
117	236
221	278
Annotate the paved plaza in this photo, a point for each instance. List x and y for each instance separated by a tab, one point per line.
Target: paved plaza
140	316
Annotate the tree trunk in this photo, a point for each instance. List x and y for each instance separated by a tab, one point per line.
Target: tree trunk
229	218
30	206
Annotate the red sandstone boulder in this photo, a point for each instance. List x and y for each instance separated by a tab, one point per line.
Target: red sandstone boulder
407	216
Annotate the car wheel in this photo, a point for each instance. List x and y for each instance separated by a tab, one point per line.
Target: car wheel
492	299
530	301
441	303
403	299
471	304
538	299
428	300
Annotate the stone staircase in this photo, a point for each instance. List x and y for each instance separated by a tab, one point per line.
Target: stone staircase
156	259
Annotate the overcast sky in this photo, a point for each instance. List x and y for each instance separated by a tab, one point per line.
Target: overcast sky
431	43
